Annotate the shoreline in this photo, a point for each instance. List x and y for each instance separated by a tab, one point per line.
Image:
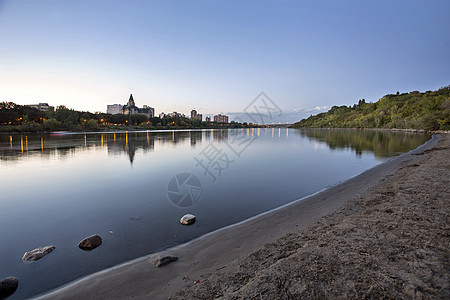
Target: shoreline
408	130
288	126
391	242
215	250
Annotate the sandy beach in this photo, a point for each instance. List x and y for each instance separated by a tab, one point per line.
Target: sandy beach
383	233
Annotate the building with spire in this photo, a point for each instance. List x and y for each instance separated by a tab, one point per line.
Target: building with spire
131	109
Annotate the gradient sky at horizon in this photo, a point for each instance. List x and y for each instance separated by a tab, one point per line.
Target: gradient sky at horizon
217	56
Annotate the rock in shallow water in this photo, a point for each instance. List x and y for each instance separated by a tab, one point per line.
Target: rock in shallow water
37	253
91	242
161	259
8	286
187	219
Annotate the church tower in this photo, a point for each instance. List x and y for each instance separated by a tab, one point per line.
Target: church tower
131	101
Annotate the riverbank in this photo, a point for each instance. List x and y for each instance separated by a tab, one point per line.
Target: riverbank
390	238
18	129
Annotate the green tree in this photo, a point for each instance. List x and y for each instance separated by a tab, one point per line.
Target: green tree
52	124
92	124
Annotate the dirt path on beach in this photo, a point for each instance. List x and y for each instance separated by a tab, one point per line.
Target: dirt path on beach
390	242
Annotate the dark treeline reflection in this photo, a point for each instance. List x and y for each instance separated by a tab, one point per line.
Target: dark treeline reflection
382	143
13	147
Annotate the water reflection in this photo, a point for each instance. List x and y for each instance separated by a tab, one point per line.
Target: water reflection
382	143
77	184
12	148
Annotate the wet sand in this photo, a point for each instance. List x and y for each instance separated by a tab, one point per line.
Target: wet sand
383	233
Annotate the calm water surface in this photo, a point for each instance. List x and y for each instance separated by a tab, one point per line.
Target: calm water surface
132	189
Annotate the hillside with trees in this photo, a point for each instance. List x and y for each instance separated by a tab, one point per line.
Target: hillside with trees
428	111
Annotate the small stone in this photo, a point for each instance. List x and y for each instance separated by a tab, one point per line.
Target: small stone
187	219
91	242
37	253
8	286
161	259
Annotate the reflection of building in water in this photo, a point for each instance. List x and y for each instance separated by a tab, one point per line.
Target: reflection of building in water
220	135
196	137
129	143
208	135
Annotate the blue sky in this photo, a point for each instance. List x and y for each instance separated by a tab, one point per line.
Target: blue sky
217	56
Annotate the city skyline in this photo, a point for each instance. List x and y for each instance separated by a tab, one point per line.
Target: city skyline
150	112
217	56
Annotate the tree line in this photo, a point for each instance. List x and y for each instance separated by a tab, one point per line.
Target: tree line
22	118
428	111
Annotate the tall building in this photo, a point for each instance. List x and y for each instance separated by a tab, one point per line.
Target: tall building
195	115
208	119
221	118
114	109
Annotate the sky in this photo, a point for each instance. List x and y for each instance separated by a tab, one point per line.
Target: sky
218	56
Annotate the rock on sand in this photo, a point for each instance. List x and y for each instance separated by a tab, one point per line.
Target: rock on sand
161	259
